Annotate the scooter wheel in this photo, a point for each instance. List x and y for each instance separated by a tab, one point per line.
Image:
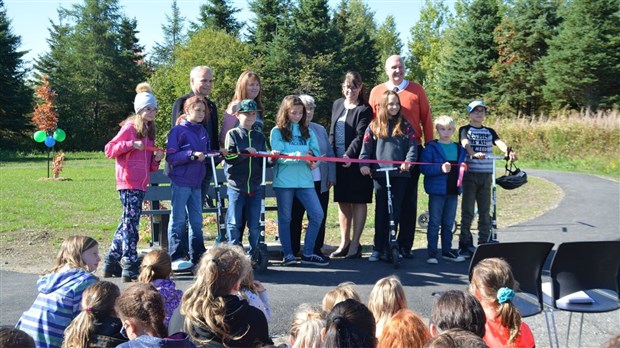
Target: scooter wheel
395	258
260	258
423	220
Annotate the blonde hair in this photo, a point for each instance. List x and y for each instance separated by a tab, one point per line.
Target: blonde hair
97	302
219	270
284	124
380	124
241	87
343	291
155	265
70	253
404	329
386	298
445	121
142	303
306	326
488	276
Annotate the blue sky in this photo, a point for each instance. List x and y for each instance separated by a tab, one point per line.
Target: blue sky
30	18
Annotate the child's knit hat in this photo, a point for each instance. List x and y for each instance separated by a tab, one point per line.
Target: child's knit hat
144	97
473	105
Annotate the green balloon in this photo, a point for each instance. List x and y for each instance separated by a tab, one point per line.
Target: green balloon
39	136
60	134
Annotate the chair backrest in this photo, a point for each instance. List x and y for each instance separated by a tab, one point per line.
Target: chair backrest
579	266
526	259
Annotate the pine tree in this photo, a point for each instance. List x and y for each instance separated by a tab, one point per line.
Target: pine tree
15	96
269	16
218	15
313	32
174	35
582	67
388	43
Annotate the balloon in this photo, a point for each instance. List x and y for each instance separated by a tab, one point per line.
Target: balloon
59	135
39	136
50	141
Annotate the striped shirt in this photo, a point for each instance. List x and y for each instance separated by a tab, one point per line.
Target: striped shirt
481	140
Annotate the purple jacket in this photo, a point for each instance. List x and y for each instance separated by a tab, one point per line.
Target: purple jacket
170	294
184	139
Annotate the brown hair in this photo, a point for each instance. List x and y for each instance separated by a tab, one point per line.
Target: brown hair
355	79
458	309
456	338
142	303
488	276
284	124
380	124
192	101
155	265
386	298
97	302
349	324
70	253
240	87
404	329
340	293
15	338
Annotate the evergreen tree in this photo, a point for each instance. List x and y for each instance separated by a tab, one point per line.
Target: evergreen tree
582	67
313	32
269	15
463	73
218	15
388	43
174	35
15	96
522	39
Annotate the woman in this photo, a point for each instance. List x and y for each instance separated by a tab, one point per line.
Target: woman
353	191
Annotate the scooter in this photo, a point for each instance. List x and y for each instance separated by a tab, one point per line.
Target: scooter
493	233
393	242
260	254
221	220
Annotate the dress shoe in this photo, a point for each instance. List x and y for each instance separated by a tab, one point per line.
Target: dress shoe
341	253
357	254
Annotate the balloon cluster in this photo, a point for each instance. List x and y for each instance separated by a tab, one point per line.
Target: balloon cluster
50	138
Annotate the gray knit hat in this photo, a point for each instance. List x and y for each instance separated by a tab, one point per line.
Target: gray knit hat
144	98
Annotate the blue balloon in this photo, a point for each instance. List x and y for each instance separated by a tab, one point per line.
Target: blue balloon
50	141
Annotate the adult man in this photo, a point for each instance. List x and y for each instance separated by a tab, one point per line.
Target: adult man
416	109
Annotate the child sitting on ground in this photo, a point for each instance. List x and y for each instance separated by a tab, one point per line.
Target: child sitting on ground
156	270
15	338
404	329
349	324
255	293
343	291
457	309
386	298
306	327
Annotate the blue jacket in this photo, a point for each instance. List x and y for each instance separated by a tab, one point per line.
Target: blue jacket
184	139
292	173
437	182
178	340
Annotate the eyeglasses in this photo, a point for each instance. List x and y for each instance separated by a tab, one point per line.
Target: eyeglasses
124	332
150	108
353	88
480	110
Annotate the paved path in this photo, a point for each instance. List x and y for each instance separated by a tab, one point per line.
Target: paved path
589	211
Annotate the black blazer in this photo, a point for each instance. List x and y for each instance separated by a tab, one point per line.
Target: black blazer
356	123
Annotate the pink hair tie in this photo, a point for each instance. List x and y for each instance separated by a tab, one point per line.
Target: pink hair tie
89	309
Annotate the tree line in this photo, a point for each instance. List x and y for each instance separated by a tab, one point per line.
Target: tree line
523	57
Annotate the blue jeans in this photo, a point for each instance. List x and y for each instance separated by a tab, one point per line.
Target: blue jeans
238	205
442	210
310	201
186	201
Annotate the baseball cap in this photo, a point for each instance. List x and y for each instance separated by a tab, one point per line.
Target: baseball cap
247	105
475	103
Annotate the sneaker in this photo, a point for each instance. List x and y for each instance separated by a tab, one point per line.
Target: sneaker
465	253
314	260
181	265
432	261
453	256
374	257
289	260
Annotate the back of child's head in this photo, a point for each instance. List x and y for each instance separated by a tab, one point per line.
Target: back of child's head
220	271
458	309
15	338
155	265
386	298
98	302
445	121
404	329
142	304
306	327
70	253
493	283
340	293
456	338
349	324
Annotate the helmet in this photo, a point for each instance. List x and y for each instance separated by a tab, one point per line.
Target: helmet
513	178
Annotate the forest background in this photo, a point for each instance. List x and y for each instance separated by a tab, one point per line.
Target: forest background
549	69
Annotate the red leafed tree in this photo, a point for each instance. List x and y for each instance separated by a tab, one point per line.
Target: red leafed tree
45	115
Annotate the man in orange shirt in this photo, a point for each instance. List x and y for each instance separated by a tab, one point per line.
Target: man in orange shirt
417	111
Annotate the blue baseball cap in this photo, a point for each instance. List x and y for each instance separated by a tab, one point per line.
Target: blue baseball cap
473	105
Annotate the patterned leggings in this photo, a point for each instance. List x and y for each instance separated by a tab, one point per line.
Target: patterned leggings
125	241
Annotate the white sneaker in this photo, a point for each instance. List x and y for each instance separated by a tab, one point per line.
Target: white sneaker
374	257
181	265
432	261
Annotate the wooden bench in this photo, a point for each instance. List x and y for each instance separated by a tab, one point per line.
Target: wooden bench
160	190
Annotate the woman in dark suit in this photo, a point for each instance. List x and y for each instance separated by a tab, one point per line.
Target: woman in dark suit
352	191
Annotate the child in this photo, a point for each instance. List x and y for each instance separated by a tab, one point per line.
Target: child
142	312
244	175
478	141
134	162
156	270
404	329
343	291
255	293
493	284
386	298
248	87
349	324
293	178
388	137
457	309
97	324
186	147
212	308
306	327
15	338
440	182
456	338
60	291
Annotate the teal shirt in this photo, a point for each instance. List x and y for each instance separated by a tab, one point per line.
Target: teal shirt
291	173
450	150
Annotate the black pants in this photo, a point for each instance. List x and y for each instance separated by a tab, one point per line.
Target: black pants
410	208
297	216
382	216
